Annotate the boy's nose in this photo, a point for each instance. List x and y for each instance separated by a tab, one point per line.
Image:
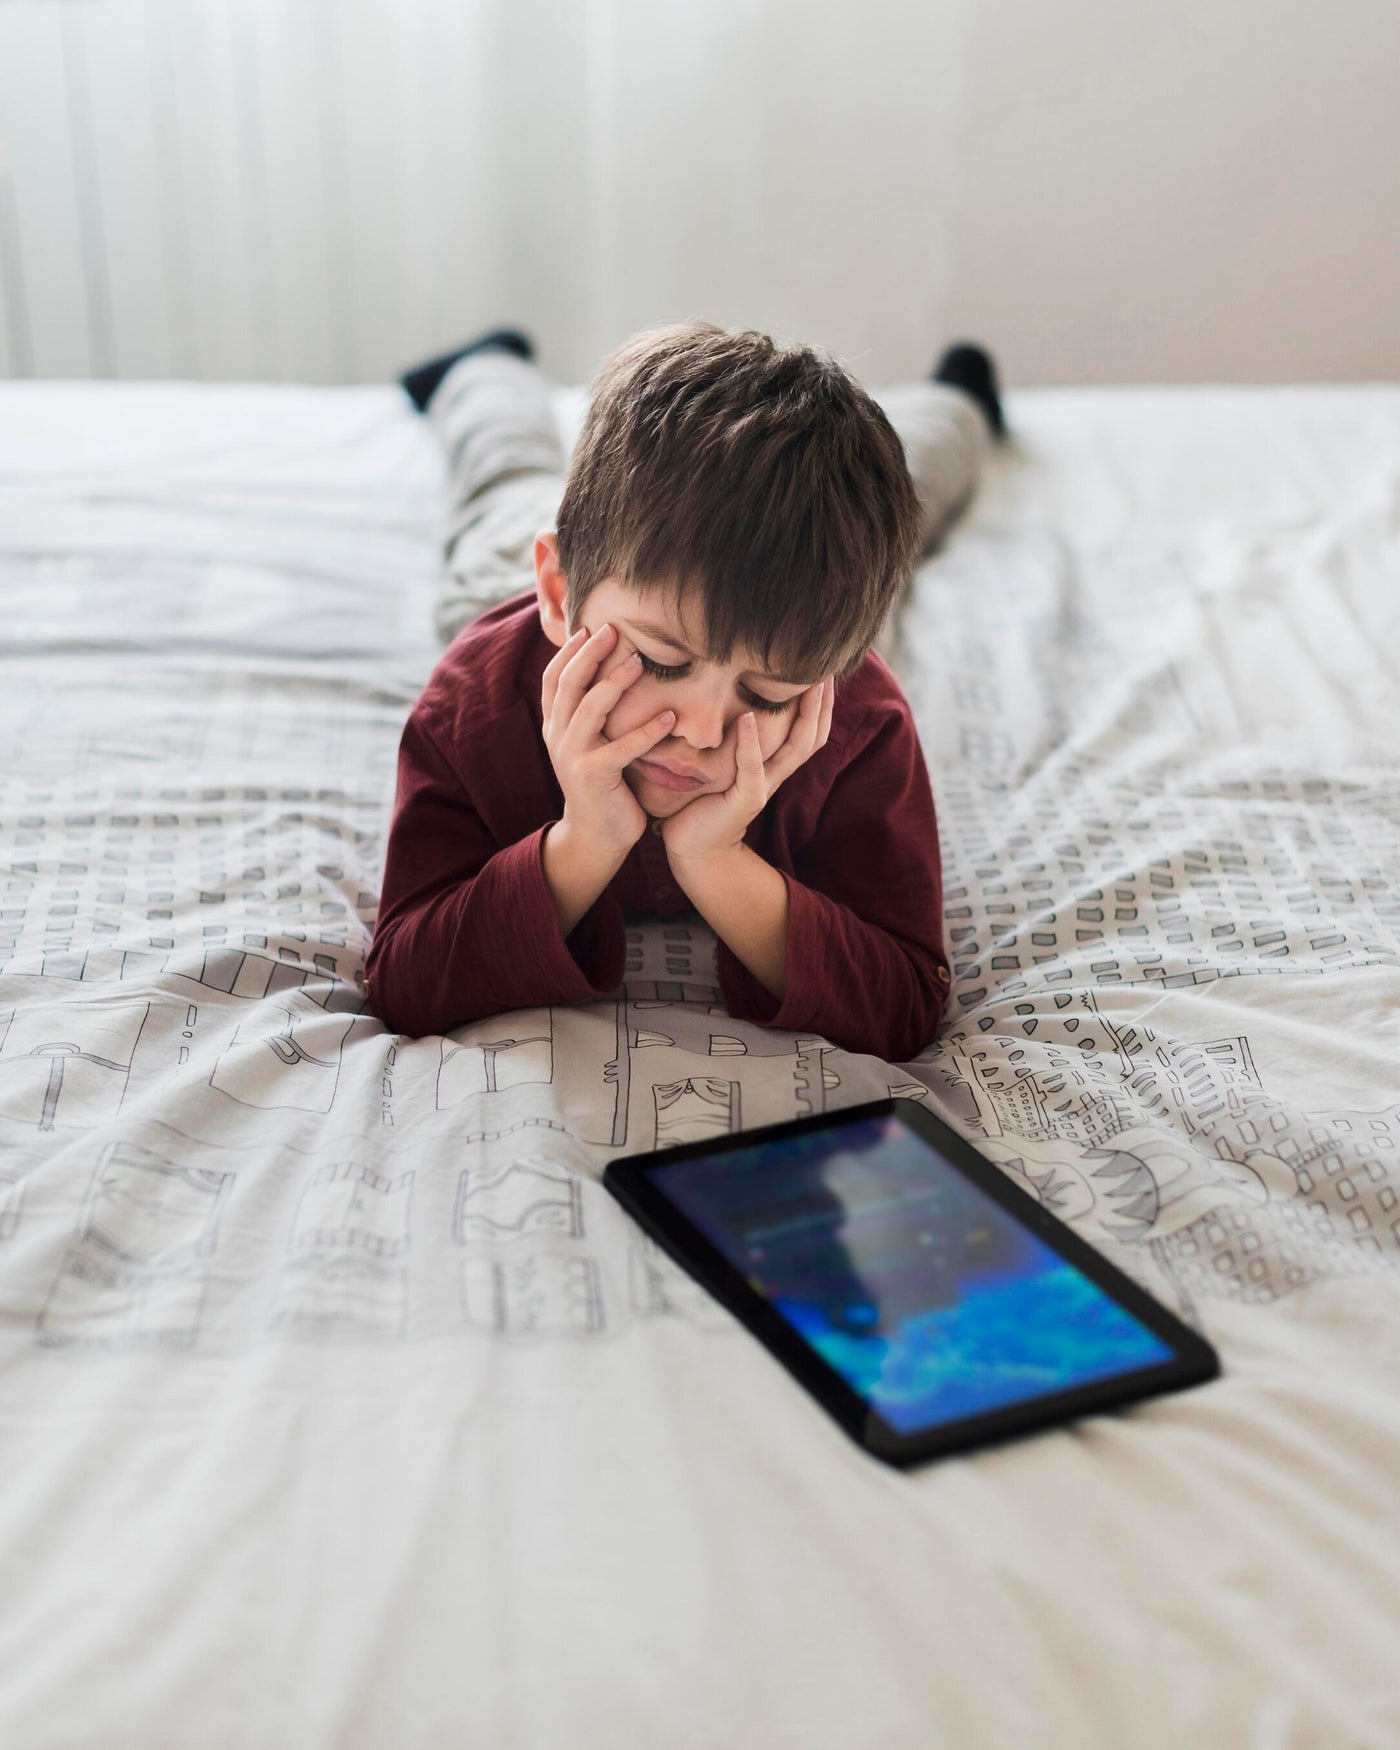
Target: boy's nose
700	721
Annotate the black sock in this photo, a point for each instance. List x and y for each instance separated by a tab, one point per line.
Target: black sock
969	367
421	382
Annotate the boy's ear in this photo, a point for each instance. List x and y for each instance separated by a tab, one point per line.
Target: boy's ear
551	588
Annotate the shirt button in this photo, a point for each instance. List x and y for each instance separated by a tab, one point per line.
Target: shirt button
656	827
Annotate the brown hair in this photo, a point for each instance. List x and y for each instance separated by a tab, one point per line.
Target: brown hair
763	476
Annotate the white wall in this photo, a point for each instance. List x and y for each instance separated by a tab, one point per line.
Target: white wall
1105	190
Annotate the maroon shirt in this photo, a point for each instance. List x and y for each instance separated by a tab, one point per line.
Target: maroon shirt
467	925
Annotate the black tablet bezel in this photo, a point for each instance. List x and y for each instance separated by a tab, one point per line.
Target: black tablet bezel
1194	1361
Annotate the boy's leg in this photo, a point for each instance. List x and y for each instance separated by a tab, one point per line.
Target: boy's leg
947	438
494	414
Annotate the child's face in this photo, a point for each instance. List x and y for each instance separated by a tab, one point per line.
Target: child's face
708	699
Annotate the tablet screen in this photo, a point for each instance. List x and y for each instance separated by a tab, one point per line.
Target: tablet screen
927	1297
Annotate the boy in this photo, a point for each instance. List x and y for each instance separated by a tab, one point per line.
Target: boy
686	711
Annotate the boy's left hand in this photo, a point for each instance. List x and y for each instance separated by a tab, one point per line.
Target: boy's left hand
714	825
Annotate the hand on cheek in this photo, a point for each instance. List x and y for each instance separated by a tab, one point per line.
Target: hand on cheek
714	824
627	712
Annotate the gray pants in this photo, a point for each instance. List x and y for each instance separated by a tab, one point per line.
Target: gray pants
495	416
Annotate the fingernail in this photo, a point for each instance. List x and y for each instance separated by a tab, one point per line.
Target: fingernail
632	661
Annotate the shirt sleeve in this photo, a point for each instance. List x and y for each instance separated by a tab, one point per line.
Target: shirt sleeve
865	962
467	927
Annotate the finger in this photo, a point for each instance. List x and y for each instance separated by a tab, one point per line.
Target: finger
598	701
828	706
614	755
751	775
579	670
803	733
555	667
801	739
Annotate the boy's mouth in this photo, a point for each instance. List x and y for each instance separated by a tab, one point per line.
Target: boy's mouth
667	779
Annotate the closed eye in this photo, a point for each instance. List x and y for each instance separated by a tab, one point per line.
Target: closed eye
663	673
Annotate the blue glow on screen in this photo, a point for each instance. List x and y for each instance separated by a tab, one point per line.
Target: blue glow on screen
918	1288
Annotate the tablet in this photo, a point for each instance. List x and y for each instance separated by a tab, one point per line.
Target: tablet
927	1302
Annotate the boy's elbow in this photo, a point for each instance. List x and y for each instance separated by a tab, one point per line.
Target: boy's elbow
384	1003
913	1036
402	1008
400	1021
904	1044
898	1038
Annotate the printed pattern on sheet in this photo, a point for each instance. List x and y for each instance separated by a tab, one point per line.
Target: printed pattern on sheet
1175	920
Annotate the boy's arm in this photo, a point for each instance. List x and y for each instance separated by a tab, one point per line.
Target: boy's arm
862	958
468	927
745	902
575	872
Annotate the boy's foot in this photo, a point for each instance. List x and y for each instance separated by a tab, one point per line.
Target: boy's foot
969	367
421	382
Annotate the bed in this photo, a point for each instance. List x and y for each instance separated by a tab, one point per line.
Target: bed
340	1406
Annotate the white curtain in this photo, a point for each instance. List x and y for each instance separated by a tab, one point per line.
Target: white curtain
326	189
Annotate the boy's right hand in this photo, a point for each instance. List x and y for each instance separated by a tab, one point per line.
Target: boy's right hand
597	802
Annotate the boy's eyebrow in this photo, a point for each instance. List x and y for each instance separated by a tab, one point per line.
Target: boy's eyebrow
663	636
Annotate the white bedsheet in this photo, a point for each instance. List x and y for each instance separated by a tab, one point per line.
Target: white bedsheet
339	1406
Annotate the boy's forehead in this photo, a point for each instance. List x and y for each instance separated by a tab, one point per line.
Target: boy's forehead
655	611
